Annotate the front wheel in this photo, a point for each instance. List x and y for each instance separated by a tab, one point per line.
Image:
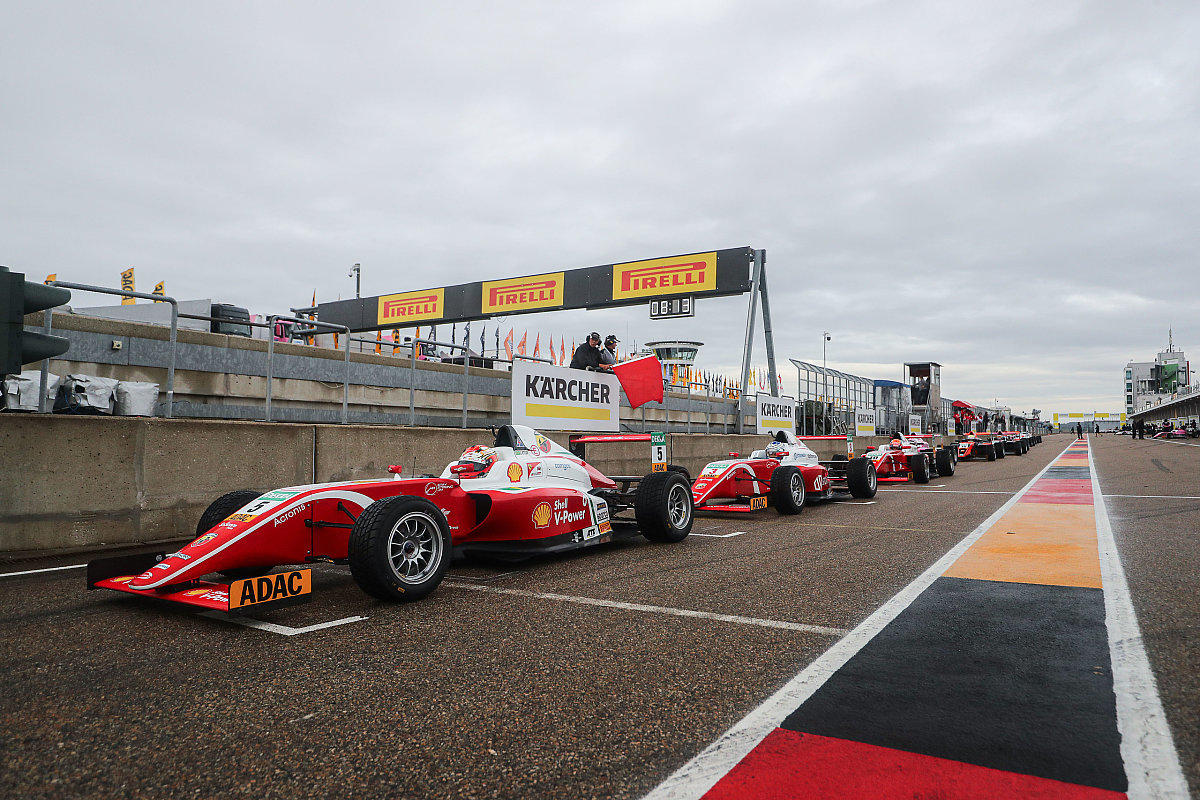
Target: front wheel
218	510
919	465
399	548
945	463
787	490
861	479
663	507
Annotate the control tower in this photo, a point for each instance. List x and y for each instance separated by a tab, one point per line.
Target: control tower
674	353
924	379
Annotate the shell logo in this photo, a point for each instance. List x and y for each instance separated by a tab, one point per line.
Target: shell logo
541	515
514	472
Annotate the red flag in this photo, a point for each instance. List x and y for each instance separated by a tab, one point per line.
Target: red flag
642	380
521	346
537	346
508	342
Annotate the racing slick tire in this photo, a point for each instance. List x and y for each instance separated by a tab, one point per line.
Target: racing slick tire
787	490
861	479
919	465
663	507
682	470
945	463
998	447
991	452
399	548
218	510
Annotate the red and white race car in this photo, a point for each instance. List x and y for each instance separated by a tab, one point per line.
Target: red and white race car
904	459
521	496
980	445
785	474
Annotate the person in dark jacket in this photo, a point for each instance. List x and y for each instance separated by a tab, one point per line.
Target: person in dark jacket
608	353
587	355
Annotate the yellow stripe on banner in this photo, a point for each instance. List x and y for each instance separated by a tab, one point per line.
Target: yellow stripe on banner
566	412
778	423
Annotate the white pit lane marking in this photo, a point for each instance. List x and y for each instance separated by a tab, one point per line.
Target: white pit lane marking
678	612
718	535
282	630
1151	762
36	571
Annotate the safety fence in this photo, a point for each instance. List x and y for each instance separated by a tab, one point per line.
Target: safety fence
219	376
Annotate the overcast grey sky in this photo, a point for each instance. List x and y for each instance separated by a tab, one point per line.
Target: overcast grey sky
1009	188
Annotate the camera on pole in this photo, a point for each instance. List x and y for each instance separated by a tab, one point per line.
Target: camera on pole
19	297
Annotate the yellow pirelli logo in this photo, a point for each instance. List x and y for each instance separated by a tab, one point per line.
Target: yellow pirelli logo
660	276
411	307
521	294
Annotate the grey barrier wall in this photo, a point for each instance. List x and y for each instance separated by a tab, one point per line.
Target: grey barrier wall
224	377
85	482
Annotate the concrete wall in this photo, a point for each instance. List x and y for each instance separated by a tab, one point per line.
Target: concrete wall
70	482
224	377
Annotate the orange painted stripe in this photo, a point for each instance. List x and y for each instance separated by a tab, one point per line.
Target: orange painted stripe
1043	543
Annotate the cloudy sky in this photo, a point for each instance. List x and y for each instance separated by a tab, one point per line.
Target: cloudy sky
1009	188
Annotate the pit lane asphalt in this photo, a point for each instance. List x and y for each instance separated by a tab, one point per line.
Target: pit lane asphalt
478	693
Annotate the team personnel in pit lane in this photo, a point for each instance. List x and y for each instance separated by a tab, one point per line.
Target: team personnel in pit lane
587	355
608	353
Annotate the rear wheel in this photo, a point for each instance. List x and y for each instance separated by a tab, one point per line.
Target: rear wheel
945	463
399	548
682	470
218	510
990	451
787	490
999	448
920	467
663	507
861	478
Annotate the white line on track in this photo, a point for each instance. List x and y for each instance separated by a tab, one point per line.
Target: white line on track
700	774
282	630
718	535
1151	763
946	491
678	612
1158	496
36	571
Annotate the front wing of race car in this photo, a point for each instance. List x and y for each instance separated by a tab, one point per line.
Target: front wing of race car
248	595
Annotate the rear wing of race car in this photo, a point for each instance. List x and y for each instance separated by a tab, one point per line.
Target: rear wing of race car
238	597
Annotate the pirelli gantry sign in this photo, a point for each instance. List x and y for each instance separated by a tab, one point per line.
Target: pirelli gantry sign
712	274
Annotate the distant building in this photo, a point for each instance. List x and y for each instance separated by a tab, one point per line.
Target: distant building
1149	383
674	353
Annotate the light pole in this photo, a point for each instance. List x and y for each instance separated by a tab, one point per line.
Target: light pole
356	273
825	337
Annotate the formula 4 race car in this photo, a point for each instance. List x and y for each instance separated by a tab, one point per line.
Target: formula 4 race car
1177	433
524	495
905	459
785	474
1016	442
979	445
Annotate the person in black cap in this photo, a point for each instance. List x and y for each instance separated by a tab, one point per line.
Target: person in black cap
587	355
608	353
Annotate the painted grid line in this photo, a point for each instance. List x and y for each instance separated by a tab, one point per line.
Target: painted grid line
678	612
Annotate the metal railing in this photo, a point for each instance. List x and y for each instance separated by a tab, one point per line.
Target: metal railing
271	320
49	316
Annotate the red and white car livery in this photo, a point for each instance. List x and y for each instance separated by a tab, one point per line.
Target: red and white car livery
521	496
904	459
785	474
